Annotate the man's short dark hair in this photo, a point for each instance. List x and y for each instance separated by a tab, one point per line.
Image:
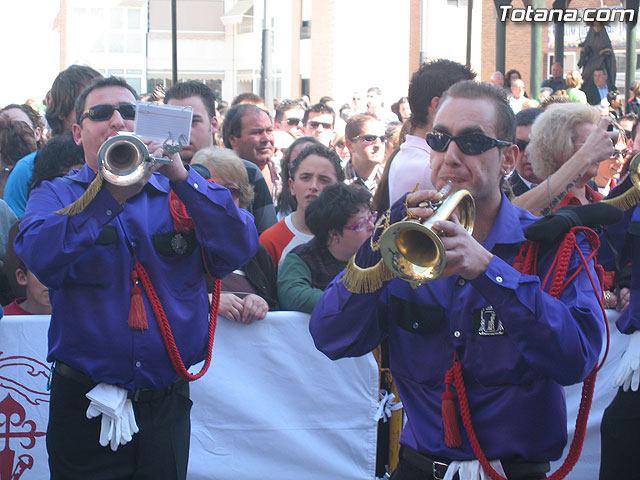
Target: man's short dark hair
333	208
431	80
232	125
356	124
55	159
249	98
526	117
101	83
285	106
322	109
65	90
505	119
183	90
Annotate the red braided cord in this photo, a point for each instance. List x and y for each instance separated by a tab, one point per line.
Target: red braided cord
165	328
588	385
182	222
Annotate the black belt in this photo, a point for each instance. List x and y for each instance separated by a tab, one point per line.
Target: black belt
140	395
438	468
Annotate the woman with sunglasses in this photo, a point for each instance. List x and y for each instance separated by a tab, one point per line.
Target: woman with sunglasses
313	169
250	291
340	220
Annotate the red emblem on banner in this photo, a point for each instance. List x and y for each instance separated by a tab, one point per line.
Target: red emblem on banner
16	430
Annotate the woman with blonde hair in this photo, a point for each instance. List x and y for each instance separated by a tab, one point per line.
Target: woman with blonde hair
250	292
574	83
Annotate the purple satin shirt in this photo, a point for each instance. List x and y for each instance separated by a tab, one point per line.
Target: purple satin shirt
89	273
624	237
515	355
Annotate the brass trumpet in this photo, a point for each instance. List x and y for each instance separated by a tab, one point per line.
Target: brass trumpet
124	159
412	249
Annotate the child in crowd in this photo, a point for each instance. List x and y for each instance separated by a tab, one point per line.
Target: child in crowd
313	169
36	301
340	219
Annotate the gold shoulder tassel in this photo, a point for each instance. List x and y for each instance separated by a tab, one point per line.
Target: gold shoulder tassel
365	280
625	201
80	204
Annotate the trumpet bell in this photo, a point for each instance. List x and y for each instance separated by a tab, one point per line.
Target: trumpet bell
123	159
413	250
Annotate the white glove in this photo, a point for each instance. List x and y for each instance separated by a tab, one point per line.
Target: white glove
118	420
472	470
628	373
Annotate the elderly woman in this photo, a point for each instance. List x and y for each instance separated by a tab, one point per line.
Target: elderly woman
250	292
556	136
574	83
340	220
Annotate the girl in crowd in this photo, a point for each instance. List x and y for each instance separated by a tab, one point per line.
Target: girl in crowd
250	292
340	219
286	203
313	169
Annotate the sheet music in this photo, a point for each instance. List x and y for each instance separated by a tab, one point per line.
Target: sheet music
164	123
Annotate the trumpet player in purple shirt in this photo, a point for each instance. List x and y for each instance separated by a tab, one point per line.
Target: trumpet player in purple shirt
113	378
516	344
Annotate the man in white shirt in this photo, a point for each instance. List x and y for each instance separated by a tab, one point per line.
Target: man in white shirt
411	165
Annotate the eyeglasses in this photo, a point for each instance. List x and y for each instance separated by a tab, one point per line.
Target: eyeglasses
235	191
362	224
522	144
469	143
370	138
314	124
98	113
294	122
620	153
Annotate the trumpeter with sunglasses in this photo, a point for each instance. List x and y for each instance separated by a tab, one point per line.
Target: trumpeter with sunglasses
130	310
515	345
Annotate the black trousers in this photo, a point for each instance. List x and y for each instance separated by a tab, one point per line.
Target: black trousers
160	450
620	437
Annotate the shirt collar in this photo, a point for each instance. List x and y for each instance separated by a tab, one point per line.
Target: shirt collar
503	230
86	175
417	142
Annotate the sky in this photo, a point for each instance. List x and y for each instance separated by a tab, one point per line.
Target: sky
30	49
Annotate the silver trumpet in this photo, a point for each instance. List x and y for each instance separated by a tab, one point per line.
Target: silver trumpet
124	159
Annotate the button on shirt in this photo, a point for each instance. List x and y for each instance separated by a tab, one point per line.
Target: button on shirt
513	375
90	282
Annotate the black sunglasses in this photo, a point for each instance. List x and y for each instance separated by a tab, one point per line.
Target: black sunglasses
370	138
314	124
468	143
522	144
99	113
294	122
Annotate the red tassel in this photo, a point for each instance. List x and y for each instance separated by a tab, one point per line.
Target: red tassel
137	313
452	436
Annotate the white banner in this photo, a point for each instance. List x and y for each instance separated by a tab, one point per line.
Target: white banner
270	405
